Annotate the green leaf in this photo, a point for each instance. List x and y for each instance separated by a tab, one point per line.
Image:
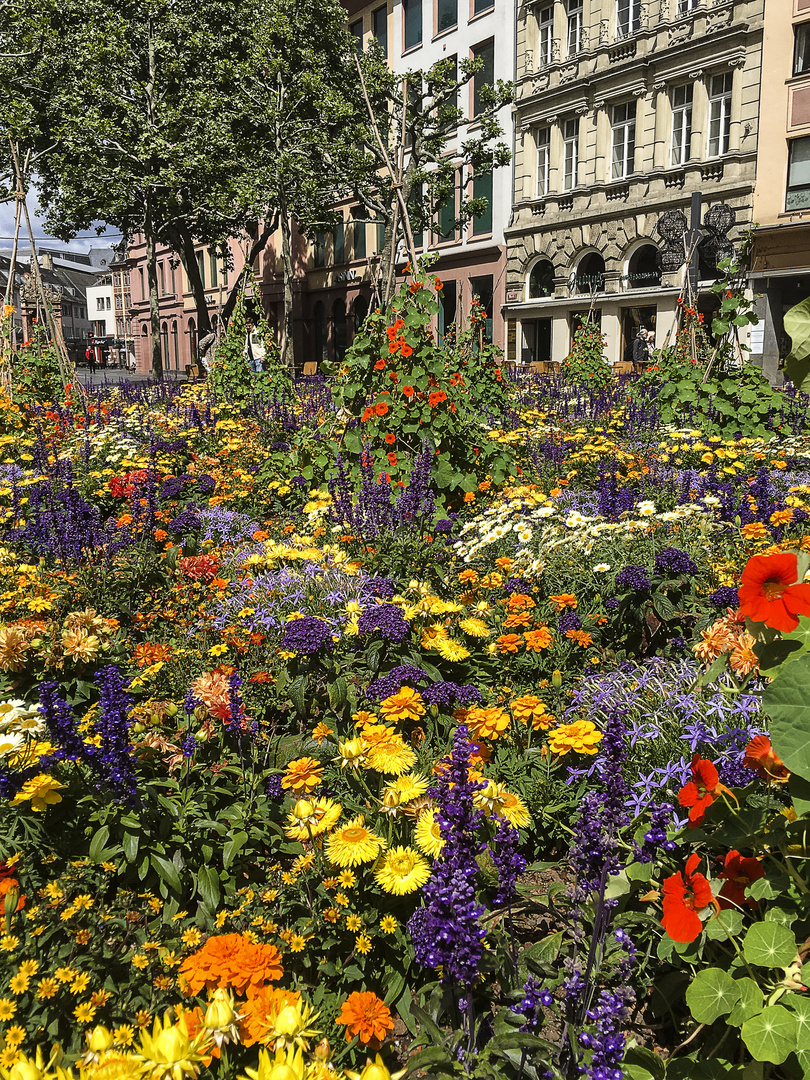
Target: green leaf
518	1040
547	949
787	702
797	325
724	926
166	871
427	1024
799	789
750	1003
639	1062
208	885
664	608
130	843
769	945
97	845
337	693
713	993
771	1035
800	1005
232	848
431	1055
295	692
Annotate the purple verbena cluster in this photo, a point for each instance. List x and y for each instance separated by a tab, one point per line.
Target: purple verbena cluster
569	620
387	619
633	579
307	636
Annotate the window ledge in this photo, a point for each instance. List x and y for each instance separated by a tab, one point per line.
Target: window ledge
481	15
411	49
444	33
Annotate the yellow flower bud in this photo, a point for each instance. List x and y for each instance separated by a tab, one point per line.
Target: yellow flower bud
323	1051
556	678
99	1039
288	1021
220	1013
303	809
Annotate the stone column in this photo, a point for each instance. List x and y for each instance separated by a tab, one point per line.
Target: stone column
602	155
660	158
735	127
700	117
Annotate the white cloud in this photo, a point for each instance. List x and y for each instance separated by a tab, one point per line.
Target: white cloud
83	242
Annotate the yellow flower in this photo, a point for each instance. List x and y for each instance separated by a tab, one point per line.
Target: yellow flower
286	1065
363	944
18	983
342	899
530	709
474	627
487	723
428	834
386	750
407	788
354	922
376	1070
405	705
7	1008
8	942
124	1035
312	818
140	961
85	1012
450	649
297	943
191	937
65	974
15	1035
582	737
29	968
353	844
168	1053
401	870
496	801
80	983
302	775
388	924
351	753
42	790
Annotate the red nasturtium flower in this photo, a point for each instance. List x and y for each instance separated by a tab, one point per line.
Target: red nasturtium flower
770	594
761	757
390	439
408	391
379	365
684	896
739	873
381	408
700	792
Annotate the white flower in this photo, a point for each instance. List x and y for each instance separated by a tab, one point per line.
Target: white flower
544	512
710	500
10	743
646	508
601	568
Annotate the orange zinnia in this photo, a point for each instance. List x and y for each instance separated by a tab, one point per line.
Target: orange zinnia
760	756
367	1017
231	960
770	594
683	899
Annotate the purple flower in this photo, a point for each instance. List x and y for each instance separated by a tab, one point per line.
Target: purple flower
385	618
392	683
508	861
569	620
446	695
725	597
674	561
633	579
383	587
307	636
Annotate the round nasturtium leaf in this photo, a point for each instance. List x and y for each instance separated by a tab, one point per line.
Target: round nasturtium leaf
771	1035
767	944
750	1003
712	993
800	1006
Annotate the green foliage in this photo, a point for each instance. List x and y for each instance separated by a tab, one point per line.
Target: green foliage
398	388
585	366
35	371
232	378
797	362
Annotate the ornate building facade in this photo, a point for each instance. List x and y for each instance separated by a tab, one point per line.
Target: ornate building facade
624	110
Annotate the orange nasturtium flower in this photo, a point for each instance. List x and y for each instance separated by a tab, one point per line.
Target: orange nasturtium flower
761	757
700	792
770	594
367	1017
739	872
684	896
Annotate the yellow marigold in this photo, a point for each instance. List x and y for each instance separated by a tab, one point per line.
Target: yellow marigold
583	737
529	709
353	844
405	705
42	791
302	775
781	517
487	723
754	531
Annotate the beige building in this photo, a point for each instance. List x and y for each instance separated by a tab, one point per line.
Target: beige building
781	255
624	109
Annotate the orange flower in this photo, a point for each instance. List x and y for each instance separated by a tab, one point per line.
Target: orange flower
367	414
302	775
408	391
487	723
683	899
231	960
160	534
381	408
390	439
261	1009
392	460
537	639
754	531
770	594
760	756
367	1017
380	365
508	643
10	885
520	602
563	601
700	792
580	637
405	349
739	873
437	284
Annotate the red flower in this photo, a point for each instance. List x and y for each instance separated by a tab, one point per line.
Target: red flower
392	348
770	594
700	792
390	439
367	414
760	756
380	365
437	284
739	873
381	408
408	391
392	460
405	350
683	899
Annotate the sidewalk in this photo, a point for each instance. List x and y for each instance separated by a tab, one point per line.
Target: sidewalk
114	376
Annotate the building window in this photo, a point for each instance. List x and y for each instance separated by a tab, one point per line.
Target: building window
320	249
356	30
359	231
628	17
380	29
172	277
570	133
482	288
143	286
541	280
801	48
201	266
446	14
685	6
545	35
480	6
720	114
574	8
340	243
448	303
485	76
412	15
212	262
624	139
482	189
446	221
109	303
543	138
100	303
161	280
681	124
798	190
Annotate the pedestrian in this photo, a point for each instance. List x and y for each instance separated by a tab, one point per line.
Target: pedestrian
255	347
641	352
90	357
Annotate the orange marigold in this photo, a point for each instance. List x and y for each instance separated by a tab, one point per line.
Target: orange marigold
507	643
367	1017
231	960
537	639
260	1011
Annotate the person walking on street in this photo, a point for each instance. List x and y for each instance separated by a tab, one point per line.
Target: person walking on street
641	351
254	346
90	357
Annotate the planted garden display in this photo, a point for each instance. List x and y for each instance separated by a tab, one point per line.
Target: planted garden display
413	720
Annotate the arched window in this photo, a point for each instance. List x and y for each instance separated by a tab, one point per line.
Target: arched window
590	276
319	331
360	309
175	347
164	345
541	280
192	340
339	321
644	268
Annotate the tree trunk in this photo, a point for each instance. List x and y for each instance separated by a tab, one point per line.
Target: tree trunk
287	342
154	301
258	245
188	257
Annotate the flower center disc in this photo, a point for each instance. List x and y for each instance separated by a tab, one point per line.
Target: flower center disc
774	589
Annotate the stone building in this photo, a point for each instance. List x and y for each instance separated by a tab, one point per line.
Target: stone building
624	109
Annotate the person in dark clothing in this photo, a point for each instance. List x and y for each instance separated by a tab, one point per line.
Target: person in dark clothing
641	351
90	357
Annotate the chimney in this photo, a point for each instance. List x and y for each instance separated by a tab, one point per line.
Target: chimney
46	260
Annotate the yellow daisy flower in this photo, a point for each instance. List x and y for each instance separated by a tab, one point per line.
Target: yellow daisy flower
353	844
401	870
428	834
